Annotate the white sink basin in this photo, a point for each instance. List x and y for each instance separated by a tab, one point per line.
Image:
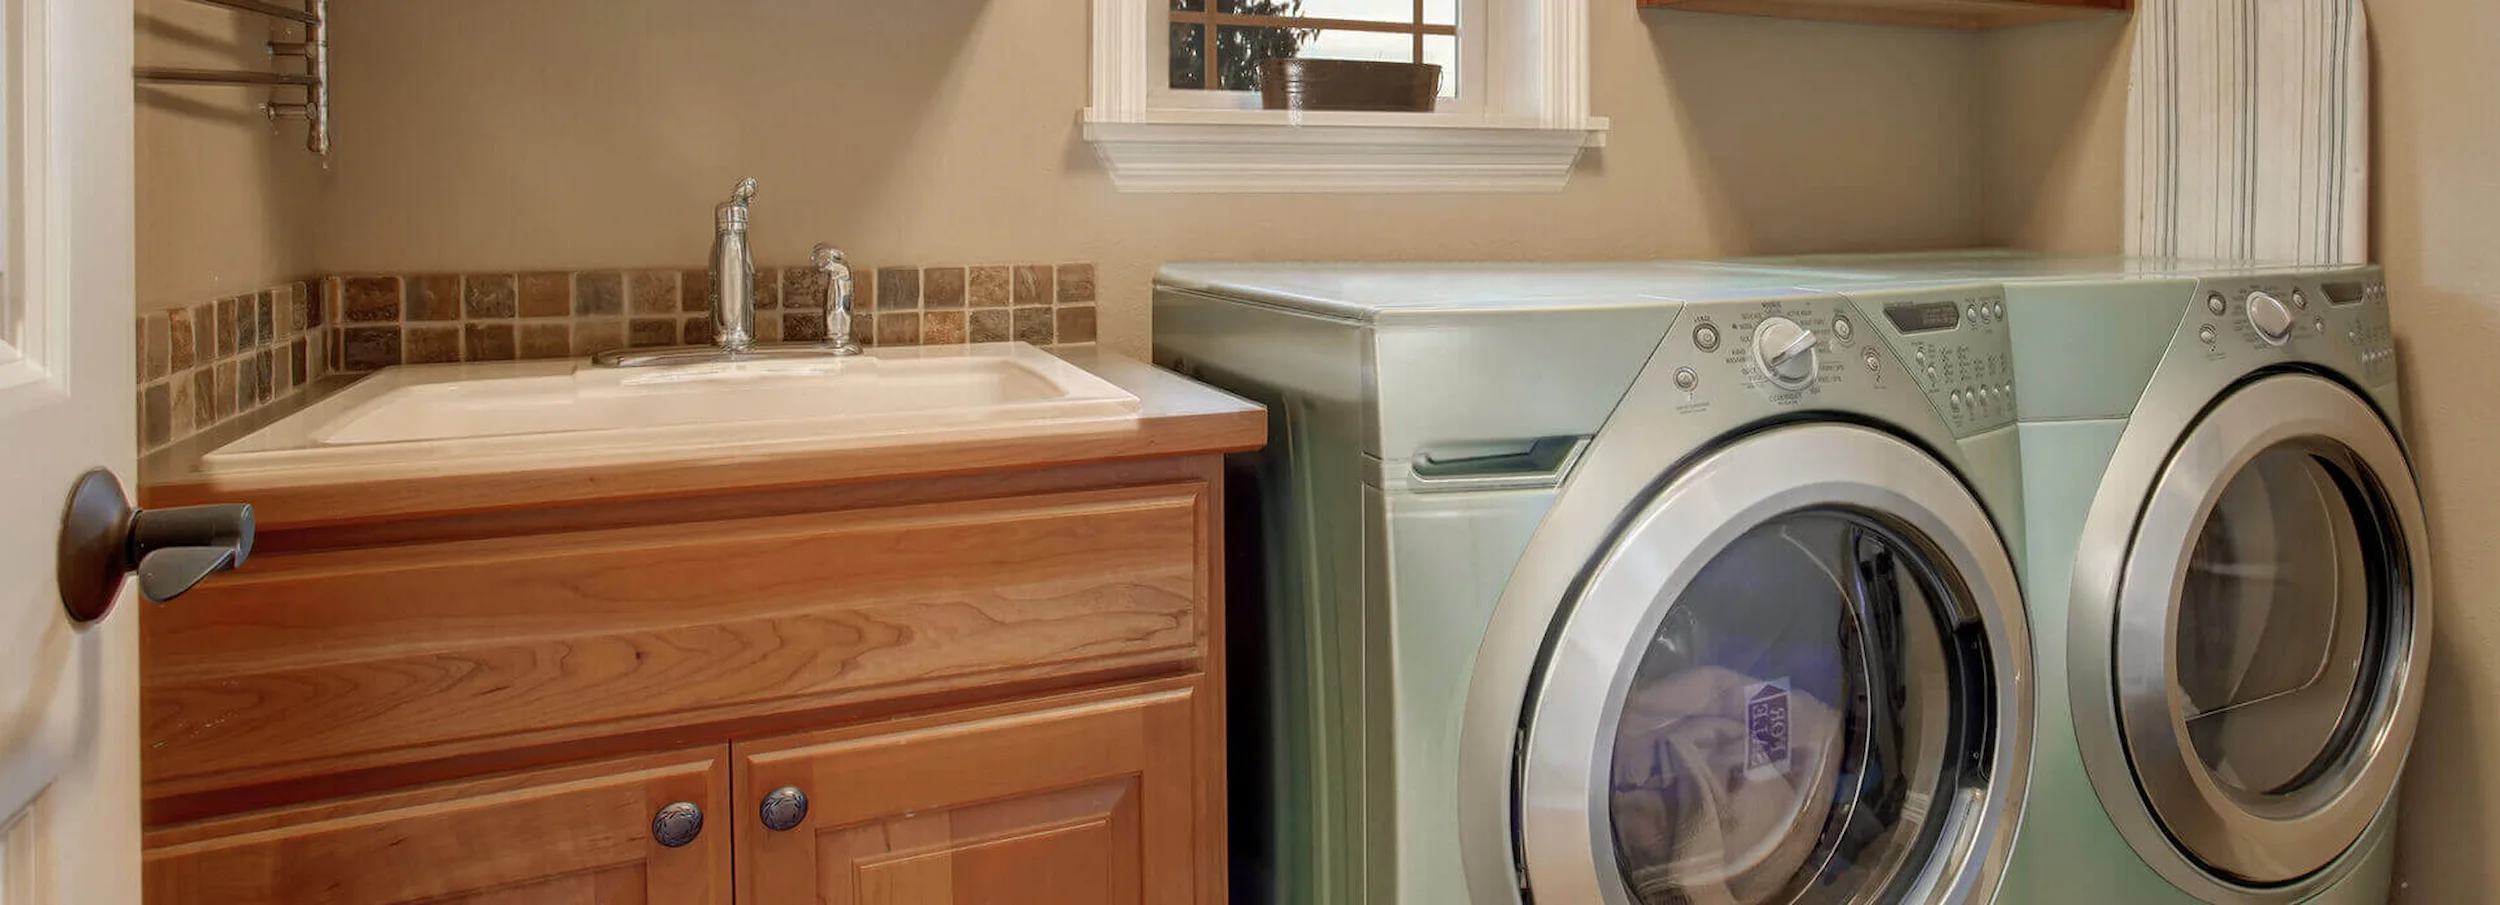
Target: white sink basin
576	411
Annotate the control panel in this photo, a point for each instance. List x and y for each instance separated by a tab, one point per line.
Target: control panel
1778	347
1955	343
2340	321
1867	352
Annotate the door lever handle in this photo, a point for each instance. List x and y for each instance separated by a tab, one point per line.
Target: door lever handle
104	539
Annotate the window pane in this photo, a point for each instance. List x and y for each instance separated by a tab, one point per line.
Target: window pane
1385	46
1441	12
1363	10
1189	5
1240	48
1238	51
1366	10
1189	57
1443	49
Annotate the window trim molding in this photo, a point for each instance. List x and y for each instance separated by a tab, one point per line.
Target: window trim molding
1528	136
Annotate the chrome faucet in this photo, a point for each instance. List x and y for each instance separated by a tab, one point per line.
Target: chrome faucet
839	293
733	302
733	273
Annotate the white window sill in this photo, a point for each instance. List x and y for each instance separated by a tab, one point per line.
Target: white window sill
1216	150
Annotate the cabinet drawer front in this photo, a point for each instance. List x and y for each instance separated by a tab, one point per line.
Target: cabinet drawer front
1086	804
578	834
327	662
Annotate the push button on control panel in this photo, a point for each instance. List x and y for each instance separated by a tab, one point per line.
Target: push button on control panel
1706	338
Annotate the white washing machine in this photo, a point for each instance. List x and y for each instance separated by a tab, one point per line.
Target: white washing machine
2228	576
1640	584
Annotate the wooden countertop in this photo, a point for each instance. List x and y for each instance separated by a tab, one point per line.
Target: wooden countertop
1178	416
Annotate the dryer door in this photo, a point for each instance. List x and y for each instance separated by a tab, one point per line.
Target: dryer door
2271	630
1799	674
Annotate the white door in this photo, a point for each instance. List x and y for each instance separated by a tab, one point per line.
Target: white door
69	760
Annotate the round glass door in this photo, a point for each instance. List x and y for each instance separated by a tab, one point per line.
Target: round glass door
1800	674
2269	632
1792	722
2277	625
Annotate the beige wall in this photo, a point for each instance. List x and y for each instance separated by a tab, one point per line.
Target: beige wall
2054	112
490	134
2438	196
572	133
225	198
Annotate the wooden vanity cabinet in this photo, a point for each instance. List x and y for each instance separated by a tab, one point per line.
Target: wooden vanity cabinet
993	689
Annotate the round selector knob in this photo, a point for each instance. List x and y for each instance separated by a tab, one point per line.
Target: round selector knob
2270	316
1785	352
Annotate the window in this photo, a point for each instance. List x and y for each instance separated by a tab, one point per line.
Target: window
1250	31
1176	106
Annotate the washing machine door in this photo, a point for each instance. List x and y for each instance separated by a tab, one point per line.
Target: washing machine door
2267	645
1797	674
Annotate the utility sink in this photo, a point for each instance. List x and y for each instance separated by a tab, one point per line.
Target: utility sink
572	411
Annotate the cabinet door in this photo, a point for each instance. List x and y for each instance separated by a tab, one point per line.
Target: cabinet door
1095	802
579	835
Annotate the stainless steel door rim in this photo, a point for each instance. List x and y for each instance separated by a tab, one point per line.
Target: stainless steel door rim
2221	843
1566	830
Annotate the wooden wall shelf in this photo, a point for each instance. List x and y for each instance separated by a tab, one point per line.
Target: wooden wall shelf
1937	13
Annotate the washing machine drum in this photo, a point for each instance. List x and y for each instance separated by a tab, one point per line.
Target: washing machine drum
1786	728
1812	697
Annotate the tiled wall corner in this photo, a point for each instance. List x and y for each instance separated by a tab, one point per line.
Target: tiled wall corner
204	365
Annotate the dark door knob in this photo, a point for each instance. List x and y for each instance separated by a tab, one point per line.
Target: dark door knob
783	809
104	539
676	825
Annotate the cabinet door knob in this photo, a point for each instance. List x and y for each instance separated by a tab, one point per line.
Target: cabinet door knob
677	824
784	809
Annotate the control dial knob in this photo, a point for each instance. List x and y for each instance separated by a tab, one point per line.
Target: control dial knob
1785	352
2270	316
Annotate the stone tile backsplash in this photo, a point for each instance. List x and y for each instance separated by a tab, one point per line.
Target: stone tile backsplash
203	365
209	363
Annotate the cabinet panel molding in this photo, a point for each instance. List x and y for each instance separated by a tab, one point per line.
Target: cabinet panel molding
324	663
1087	802
574	834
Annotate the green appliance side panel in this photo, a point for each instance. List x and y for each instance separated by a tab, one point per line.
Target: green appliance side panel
2067	844
1298	809
1454	553
2088	350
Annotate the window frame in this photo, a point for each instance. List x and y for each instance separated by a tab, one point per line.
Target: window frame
1520	123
